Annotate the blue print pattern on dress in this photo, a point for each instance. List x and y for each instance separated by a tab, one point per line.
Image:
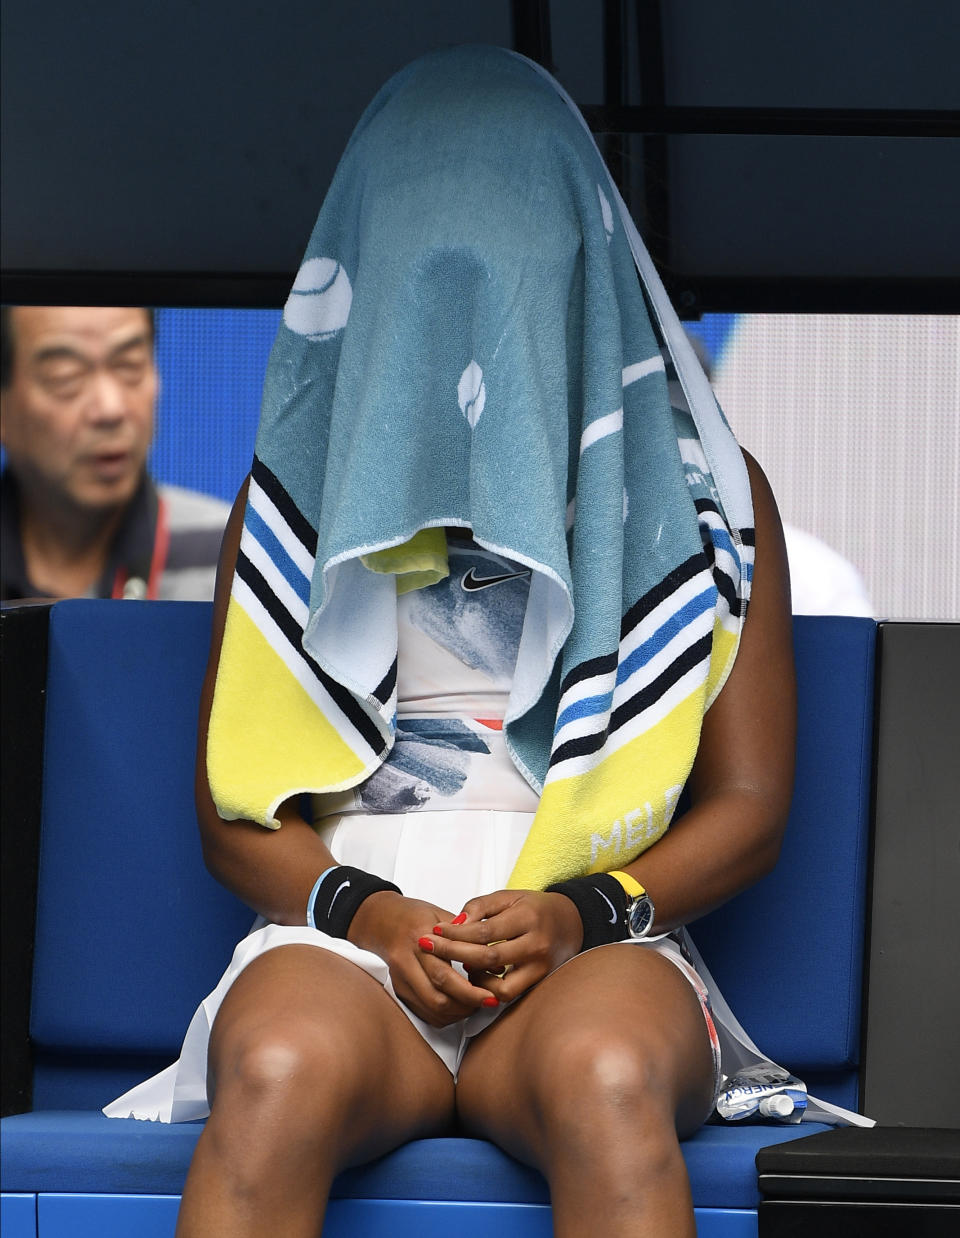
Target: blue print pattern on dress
479	622
430	757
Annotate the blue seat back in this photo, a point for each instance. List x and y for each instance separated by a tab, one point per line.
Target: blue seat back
132	931
788	952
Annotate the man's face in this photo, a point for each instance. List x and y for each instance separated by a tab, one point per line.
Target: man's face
76	419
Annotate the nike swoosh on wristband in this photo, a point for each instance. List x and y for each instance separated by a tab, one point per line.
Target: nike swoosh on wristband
613	910
340	889
471	582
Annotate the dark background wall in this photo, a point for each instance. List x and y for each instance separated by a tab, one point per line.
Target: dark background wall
152	142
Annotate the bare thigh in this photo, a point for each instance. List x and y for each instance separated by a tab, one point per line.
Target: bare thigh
616	1037
304	1039
312	1067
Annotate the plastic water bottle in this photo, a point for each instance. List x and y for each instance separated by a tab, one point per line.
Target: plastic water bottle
765	1091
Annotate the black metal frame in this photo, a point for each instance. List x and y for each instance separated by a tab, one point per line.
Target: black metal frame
830	122
188	289
531	30
23	654
655	121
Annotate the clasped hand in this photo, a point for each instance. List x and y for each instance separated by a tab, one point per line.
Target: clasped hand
506	942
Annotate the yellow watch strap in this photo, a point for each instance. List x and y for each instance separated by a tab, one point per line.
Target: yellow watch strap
630	884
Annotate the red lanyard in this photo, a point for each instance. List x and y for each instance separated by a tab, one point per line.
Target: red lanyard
158	560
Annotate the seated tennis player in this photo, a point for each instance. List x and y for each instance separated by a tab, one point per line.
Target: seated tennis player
482	615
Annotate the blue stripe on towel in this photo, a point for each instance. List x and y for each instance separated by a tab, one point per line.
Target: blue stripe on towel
277	555
722	539
583	709
641	655
665	633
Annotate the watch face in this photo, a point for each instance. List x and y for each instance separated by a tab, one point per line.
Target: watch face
640	916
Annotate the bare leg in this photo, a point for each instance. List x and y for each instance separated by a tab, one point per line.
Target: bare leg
314	1067
592	1077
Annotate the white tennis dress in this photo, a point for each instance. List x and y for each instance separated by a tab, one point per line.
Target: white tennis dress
444	817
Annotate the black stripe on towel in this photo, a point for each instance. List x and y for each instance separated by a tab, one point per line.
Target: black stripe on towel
635	704
299	526
727	589
746	536
690	658
601	665
670	583
384	688
344	699
726	586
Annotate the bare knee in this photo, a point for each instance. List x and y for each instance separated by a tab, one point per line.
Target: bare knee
607	1073
599	1092
276	1063
288	1066
607	1124
277	1099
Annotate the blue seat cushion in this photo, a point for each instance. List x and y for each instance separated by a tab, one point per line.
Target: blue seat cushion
86	1152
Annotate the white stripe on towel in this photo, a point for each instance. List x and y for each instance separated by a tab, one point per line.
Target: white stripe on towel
640	369
603	427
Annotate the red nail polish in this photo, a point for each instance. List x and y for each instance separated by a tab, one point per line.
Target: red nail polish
426	944
438	930
460	919
490	1001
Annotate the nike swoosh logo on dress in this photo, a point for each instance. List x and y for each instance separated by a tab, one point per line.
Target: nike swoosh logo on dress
471	582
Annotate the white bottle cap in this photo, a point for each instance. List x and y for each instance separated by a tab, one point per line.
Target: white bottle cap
777	1106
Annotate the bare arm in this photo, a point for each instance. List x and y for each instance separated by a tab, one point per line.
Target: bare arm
742	779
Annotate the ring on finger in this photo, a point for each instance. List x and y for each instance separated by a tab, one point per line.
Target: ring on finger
507	966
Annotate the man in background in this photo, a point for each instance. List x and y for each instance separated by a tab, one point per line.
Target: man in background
79	515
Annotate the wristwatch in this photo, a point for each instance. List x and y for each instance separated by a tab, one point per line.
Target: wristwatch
639	906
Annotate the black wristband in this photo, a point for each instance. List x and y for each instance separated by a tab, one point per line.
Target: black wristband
602	903
340	894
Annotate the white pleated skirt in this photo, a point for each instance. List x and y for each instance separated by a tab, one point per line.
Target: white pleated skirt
445	858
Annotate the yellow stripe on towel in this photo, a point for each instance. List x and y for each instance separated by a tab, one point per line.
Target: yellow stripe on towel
722	655
604	818
249	750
